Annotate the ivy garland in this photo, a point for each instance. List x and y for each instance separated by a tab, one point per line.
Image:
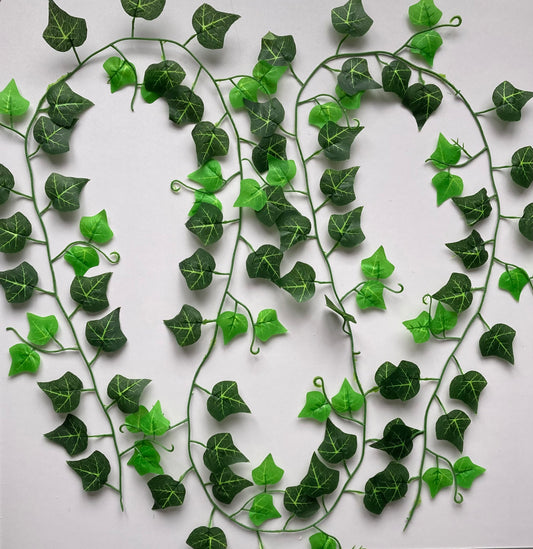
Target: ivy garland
279	190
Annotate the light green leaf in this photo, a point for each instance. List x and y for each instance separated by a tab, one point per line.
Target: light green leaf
370	295
456	293
246	88
184	106
402	381
42	328
206	223
263	509
65	105
426	45
54	139
232	325
351	19
293	227
204	197
443	320
509	101
277	50
316	406
280	171
446	154
166	492
82	258
225	400
64	31
347	400
267	472
422	100
64	392
251	195
64	192
377	265
267	325
268	76
121	73
514	281
272	146
211	26
471	250
14	232
424	13
210	141
474	207
355	77
198	269
325	112
336	140
148	96
23	359
145	458
207	538
387	486
299	282
105	333
522	166
498	342
19	283
349	102
92	470
186	325
151	423
466	472
11	102
467	388
395	77
419	327
452	427
146	9
209	176
337	445
126	392
436	479
96	228
71	434
447	186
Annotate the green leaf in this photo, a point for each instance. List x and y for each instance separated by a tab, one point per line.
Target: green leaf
377	265
446	154
81	258
145	458
206	223
402	382
338	185
225	400
316	406
71	434
105	333
264	263
509	101
267	76
7	182
121	73
325	112
498	342
337	445
424	13
163	77
64	392
467	388
226	485
263	509
355	76
146	9
267	325
272	146
210	141
522	167
186	325
447	186
346	228
321	540
65	105
452	427
211	26
426	45
344	315
52	138
264	117
95	228
23	359
293	228
474	207
280	171
246	88
443	320
277	50
209	176
91	292
387	486
298	503
299	282
232	325
204	197
18	283
184	106
251	195
220	452
198	269
42	328
419	327
207	538
436	479
275	205
370	295
349	102
336	140
514	281
397	439
351	19
456	293
148	96
347	400
267	472
14	231
64	31
126	392
525	223
395	77
466	472
471	250
11	102
320	479
64	192
166	492
422	100
151	423
93	471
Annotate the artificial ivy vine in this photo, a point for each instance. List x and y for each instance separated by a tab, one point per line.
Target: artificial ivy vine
278	192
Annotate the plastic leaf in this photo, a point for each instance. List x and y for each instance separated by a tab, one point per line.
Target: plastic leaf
162	77
121	73
220	452
11	102
105	333
424	13
54	139
343	314
426	45
91	292
151	423
347	400
387	486
446	154
7	182
272	146
226	485
447	186
267	325
225	400
514	281
509	101
443	320
267	472
467	388
148	96
422	100
395	77
14	231
263	509
211	26
210	141
19	283
264	262
207	538
206	223
320	479
145	458
325	112
277	50
275	205
299	282
320	540
186	325
184	106
338	185
251	195
246	88
336	140
471	250
298	503
498	342
402	382
355	77
474	207
316	406
126	392
42	328
349	102
346	228
370	295
280	171
452	427
525	223
65	105
64	192
81	258
351	19
268	76
419	327
23	359
204	197
522	166
293	228
64	31
397	439
166	492
146	9
64	392
71	434
466	472
93	471
96	228
377	265
232	325
198	269
337	445
264	117
456	293
436	479
209	176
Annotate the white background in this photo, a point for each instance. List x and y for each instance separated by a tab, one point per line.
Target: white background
131	158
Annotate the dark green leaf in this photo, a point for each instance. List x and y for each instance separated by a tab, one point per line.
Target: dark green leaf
93	471
71	434
64	192
265	263
225	400
11	102
471	250
498	342
370	295
220	452
338	185
337	445
436	479
145	458
452	427
336	140
163	77
320	479
346	228
64	31
198	269
95	228
343	314
126	392
7	182
377	265
121	73
206	223
81	258
456	293
514	281
166	492
186	325
263	509
467	388
509	101
65	104
264	117
184	106
105	333
424	13
443	320
14	231
446	154
474	207
232	325
466	472
23	359
447	186
401	382
387	486
298	503
299	282
64	392
91	292
267	472
210	141
426	45
293	228
325	112
207	538
268	325
321	540
397	439
146	9
211	26
277	50
42	328
275	205
419	327
19	283
355	77
316	406
395	77
53	139
226	484
525	223
272	146
351	19
522	166
422	100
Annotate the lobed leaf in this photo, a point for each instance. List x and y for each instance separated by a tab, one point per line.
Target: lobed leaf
346	228
95	228
91	292
263	509
206	223
395	77
220	452
251	195
146	9
226	485
64	392
166	492
337	445
386	486
23	359
446	154
452	427
92	470
105	333
19	283
419	327
514	281
42	328
210	141
207	538
64	192
11	101
422	100
424	13
336	140
126	392
265	263
447	186
277	50
267	325
436	479
456	293
225	400
121	73
209	175
474	207
145	458
320	480
71	434
370	295
338	185
232	325
14	232
355	77
161	78
498	342
272	146
52	138
64	31
186	325
267	472
467	388
316	406
471	250
293	227
522	166
299	282
81	258
198	269
7	182
184	106
377	265
351	19
466	472
65	105
298	503
525	223
402	381
426	45
211	26
509	101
